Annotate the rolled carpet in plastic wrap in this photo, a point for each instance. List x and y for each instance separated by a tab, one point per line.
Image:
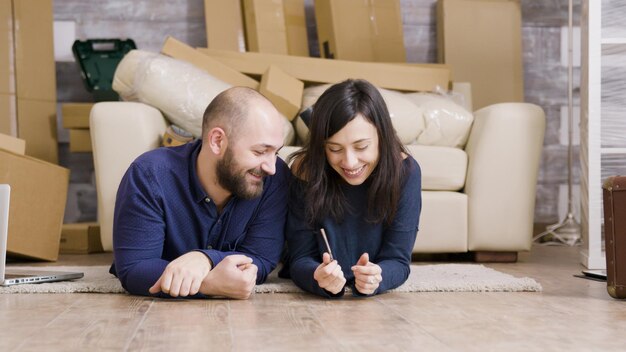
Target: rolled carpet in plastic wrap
178	89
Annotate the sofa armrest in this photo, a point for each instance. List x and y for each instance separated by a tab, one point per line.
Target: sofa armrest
504	150
120	132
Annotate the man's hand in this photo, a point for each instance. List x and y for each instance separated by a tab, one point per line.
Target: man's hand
367	275
183	276
233	277
329	275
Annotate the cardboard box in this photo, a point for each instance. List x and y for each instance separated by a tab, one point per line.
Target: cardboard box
35	71
265	26
76	115
481	40
38	197
80	238
181	51
8	114
418	77
295	25
35	79
284	91
224	26
12	144
37	125
80	140
7	59
360	30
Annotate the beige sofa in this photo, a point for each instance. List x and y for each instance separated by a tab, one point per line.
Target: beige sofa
479	198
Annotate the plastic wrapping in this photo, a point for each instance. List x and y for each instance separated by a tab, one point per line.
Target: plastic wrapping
613	124
446	122
178	89
406	117
613	14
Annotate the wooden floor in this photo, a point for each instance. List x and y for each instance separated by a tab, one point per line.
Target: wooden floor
571	314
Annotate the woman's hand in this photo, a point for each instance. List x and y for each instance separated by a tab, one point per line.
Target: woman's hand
367	275
329	275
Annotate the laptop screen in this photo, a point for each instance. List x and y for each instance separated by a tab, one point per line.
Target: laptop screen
5	192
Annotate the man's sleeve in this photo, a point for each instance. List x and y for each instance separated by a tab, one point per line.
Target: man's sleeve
138	231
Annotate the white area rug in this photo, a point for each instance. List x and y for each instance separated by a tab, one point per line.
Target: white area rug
423	278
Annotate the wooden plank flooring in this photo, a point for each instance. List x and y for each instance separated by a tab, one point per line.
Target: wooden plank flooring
571	314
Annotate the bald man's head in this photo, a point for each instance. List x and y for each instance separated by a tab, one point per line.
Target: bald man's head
229	110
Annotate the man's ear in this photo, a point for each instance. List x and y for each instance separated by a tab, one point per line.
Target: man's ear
217	140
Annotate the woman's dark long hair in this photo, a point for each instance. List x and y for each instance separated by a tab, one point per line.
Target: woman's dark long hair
337	106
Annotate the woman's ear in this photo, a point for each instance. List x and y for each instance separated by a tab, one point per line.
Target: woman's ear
217	140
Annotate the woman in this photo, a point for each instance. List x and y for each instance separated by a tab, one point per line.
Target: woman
354	180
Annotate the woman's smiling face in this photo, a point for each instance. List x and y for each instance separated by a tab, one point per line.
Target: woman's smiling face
353	151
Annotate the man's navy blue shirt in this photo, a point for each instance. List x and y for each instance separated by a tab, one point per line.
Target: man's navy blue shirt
162	212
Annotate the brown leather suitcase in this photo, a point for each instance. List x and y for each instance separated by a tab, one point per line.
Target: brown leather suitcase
614	197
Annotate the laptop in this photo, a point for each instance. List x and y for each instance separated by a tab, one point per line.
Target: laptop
15	277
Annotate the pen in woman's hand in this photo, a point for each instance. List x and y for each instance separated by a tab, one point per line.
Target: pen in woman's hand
327	245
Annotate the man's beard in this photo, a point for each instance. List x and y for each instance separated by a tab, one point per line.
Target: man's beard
233	179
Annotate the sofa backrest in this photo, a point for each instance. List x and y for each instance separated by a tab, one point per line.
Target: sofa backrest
120	132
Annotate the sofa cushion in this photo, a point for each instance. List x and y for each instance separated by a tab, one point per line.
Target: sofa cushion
443	223
443	168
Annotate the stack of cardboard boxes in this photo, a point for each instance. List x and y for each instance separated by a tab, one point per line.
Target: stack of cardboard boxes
28	131
478	40
268	26
27	76
76	120
364	37
28	111
354	30
360	30
481	40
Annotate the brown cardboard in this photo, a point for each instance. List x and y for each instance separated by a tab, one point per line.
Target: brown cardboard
181	51
36	120
8	117
38	196
423	77
360	30
76	115
12	144
224	26
80	140
8	114
265	26
34	50
284	91
295	25
7	68
482	43
80	238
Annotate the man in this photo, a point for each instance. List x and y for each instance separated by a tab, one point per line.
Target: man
206	218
